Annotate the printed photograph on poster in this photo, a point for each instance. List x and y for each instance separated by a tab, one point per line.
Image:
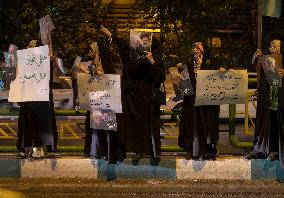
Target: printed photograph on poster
181	81
270	65
103	119
11	56
141	39
215	88
10	76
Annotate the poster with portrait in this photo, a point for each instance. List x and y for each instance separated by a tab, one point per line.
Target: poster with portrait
103	119
270	65
32	80
215	88
181	81
11	59
106	86
10	75
141	40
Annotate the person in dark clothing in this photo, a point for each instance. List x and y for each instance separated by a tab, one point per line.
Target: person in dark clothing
139	125
99	142
199	125
37	131
269	129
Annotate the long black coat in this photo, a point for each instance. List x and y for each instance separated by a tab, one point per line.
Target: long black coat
199	125
108	144
269	127
37	123
141	116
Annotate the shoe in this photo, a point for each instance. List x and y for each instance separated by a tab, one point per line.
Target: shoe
53	155
273	156
209	156
198	158
136	158
154	161
37	153
252	155
86	155
188	156
21	155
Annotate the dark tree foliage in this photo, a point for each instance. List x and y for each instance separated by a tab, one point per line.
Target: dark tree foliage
182	23
76	24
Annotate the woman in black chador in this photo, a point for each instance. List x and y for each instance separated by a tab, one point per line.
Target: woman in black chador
37	133
199	125
99	142
269	128
139	125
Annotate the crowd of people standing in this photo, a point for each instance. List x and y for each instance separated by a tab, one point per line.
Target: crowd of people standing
138	127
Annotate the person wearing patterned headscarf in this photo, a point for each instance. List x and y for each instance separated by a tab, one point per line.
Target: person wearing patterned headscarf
199	125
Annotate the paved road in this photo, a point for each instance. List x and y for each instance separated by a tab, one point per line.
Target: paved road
46	188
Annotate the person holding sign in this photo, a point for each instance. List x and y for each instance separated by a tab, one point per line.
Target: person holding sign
139	128
36	123
101	138
199	125
269	129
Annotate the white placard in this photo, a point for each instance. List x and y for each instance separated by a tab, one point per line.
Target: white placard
215	88
32	81
107	99
104	82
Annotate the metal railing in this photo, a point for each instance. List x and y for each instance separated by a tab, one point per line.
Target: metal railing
66	129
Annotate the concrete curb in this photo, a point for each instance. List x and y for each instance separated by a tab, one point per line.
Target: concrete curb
175	168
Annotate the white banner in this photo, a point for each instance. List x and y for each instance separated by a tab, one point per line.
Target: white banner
107	99
32	81
215	88
99	91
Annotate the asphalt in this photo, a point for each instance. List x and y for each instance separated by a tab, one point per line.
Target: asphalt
151	188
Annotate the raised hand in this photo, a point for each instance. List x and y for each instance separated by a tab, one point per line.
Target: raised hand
105	31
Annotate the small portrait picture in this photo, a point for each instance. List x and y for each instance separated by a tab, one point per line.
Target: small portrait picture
103	119
270	65
181	81
142	39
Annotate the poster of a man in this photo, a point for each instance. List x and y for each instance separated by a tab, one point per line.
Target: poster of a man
181	80
271	64
141	40
103	119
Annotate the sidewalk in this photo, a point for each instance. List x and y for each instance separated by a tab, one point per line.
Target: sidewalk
170	167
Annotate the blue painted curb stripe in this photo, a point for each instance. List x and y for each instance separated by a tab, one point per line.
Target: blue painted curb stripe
264	169
166	169
10	168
